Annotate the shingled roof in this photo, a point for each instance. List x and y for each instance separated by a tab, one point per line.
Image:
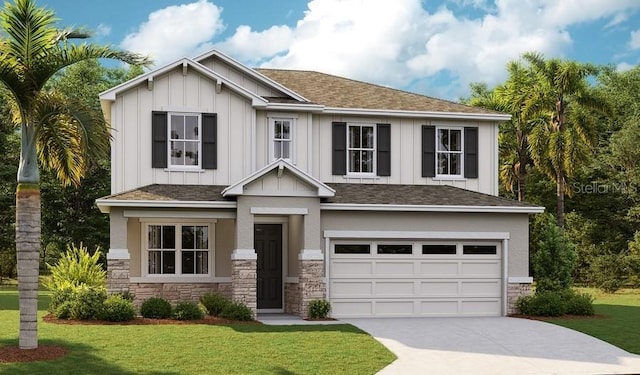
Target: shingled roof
365	194
340	92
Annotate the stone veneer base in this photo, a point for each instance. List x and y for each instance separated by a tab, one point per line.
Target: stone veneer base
514	291
176	292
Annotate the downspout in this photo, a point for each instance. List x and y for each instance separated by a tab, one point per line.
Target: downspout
327	242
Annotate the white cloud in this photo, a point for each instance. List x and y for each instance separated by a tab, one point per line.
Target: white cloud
103	30
397	43
623	67
634	42
176	31
249	45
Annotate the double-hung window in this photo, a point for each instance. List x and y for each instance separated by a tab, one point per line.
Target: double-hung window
361	148
178	249
281	130
449	153
184	140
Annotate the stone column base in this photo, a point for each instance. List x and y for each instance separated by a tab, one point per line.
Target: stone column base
516	288
311	280
243	277
118	269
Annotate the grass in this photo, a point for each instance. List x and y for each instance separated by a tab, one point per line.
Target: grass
194	349
617	321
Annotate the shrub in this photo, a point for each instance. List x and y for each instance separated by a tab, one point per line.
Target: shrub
59	297
579	304
63	310
555	259
237	311
126	295
77	267
319	309
541	304
117	309
156	308
188	311
214	303
87	302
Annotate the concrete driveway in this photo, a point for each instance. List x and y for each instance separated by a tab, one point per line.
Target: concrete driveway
493	346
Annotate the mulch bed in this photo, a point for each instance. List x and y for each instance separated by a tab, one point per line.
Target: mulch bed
12	354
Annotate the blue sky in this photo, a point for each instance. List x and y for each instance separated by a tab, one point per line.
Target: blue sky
430	47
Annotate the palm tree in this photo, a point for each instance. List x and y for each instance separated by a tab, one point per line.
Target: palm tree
61	134
563	141
510	97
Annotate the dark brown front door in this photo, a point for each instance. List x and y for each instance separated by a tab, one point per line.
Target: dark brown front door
268	245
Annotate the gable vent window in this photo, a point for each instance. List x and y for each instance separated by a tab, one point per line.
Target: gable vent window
281	134
186	141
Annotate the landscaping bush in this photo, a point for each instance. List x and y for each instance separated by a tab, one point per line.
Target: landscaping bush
156	308
237	311
214	303
319	309
77	267
579	304
87	302
63	310
58	298
188	311
541	304
556	304
126	295
117	309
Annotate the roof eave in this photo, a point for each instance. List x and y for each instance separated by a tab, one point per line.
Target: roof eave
430	208
417	114
105	204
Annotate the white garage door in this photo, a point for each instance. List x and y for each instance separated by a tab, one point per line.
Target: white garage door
415	278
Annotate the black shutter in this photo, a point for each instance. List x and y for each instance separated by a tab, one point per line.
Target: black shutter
383	149
339	144
158	139
471	152
428	151
209	141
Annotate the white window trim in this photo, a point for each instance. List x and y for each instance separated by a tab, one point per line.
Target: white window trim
144	263
459	176
171	167
271	137
374	169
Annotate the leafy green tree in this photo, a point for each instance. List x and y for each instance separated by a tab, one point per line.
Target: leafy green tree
564	141
57	132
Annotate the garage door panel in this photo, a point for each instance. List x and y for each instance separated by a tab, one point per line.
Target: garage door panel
394	308
438	288
490	268
387	268
439	308
488	288
344	268
480	307
351	308
438	269
395	288
352	289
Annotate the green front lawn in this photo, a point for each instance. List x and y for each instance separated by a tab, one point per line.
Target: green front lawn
194	349
618	320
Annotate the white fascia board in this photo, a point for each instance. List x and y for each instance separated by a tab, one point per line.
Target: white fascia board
427	235
256	100
417	114
429	208
324	191
105	204
295	107
252	73
279	211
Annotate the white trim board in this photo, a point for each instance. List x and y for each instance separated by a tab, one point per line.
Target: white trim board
428	208
279	211
179	214
417	235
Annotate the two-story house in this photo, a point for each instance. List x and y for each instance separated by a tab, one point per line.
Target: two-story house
277	187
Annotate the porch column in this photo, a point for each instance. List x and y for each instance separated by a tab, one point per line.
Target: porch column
243	277
118	266
311	275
